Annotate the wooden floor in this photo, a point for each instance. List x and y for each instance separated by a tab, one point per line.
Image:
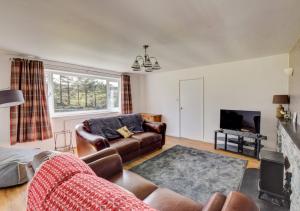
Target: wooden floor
14	199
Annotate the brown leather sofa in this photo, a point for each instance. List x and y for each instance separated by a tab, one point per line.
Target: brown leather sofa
152	137
107	164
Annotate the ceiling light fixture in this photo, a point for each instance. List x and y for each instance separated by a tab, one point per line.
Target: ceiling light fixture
146	62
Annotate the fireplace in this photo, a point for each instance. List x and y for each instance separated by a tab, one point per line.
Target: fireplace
274	181
287	188
289	140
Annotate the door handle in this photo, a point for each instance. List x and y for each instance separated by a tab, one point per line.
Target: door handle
181	108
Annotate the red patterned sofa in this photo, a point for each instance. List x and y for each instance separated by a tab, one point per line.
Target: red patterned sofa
66	183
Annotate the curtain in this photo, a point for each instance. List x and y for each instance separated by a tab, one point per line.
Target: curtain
29	121
126	95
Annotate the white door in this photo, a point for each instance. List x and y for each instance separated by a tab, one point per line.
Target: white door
191	108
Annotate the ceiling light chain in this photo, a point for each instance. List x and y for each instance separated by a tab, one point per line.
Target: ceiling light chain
145	62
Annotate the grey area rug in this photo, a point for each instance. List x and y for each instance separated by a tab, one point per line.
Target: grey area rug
194	173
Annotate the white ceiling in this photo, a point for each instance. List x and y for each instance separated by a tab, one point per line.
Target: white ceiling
109	34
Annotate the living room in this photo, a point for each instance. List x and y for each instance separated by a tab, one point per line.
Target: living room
150	91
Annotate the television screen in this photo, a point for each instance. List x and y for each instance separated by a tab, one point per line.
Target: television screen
247	121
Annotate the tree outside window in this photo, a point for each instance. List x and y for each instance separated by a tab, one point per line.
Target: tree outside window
71	93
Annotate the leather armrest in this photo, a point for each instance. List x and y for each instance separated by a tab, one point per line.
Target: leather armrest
99	142
239	201
98	155
215	202
108	166
157	127
92	138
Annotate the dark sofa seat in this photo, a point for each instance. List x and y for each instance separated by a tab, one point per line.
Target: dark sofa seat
147	138
97	134
125	145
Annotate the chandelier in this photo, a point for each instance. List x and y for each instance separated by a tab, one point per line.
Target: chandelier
145	62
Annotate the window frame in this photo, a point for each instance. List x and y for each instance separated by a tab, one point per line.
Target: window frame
48	74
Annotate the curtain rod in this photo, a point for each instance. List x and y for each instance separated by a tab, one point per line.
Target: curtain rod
79	70
25	57
60	66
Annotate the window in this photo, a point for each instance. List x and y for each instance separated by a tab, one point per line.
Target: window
76	93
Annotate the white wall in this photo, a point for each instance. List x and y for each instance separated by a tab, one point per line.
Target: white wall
4	112
60	123
245	85
137	91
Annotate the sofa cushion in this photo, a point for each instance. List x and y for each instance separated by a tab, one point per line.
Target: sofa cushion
134	122
136	184
106	127
125	132
125	146
147	138
164	199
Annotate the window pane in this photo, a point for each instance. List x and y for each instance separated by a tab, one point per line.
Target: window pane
113	87
78	93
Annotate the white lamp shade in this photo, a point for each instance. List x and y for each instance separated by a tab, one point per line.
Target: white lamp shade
136	66
148	69
147	63
156	66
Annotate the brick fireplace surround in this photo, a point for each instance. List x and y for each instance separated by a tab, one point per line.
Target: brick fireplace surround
288	143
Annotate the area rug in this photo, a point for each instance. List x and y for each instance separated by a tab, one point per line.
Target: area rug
194	173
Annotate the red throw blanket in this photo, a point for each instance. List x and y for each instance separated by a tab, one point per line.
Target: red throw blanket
66	183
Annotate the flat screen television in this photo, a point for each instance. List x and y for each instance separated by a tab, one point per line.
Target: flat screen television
246	121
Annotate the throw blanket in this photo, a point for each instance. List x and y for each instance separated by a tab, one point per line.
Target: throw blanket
66	183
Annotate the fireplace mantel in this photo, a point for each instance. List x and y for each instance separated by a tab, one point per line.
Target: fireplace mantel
293	130
288	142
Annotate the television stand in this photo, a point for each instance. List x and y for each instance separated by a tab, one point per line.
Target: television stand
241	139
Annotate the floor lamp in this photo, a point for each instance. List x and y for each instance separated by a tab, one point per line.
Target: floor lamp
10	98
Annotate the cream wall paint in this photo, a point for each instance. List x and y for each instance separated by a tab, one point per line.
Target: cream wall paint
246	85
294	85
4	84
60	123
137	91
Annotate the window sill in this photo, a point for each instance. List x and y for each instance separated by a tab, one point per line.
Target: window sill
82	113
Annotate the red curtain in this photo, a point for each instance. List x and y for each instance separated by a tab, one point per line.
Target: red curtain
29	121
126	95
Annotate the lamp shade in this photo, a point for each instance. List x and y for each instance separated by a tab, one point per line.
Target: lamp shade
9	98
156	66
148	69
281	99
147	63
136	66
